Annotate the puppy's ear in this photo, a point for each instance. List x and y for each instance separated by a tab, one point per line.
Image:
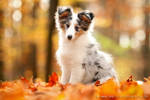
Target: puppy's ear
91	15
86	16
64	12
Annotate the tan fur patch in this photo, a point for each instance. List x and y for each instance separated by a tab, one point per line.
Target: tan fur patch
78	34
64	14
83	17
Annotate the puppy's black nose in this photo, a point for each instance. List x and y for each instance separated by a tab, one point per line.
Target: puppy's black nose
69	37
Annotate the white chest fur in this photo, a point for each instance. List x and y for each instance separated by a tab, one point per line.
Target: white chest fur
71	53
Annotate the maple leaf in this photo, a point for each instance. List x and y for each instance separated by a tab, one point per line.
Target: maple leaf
109	89
97	83
130	79
6	84
24	80
30	85
33	88
53	79
63	87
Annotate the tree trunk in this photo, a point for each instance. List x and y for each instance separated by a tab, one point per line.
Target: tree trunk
33	60
1	45
51	26
146	53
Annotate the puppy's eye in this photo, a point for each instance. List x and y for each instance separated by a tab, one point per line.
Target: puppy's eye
67	25
76	28
85	29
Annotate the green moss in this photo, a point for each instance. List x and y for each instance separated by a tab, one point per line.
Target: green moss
110	45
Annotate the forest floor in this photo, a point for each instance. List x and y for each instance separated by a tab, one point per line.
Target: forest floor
24	89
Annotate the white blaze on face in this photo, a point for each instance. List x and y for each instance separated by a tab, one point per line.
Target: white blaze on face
70	32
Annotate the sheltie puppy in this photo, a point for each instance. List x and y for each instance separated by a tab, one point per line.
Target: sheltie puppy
78	53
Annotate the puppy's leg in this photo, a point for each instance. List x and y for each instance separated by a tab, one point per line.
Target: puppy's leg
65	75
77	75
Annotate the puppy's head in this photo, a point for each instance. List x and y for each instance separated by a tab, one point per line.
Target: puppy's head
74	25
81	24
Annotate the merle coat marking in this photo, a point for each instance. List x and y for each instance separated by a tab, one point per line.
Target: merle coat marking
78	53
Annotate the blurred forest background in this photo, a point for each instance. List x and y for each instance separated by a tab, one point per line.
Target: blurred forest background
29	39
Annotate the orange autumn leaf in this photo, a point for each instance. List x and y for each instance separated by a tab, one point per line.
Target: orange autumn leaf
33	88
24	80
63	87
109	88
97	83
130	79
147	79
54	90
53	79
6	84
127	84
29	84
